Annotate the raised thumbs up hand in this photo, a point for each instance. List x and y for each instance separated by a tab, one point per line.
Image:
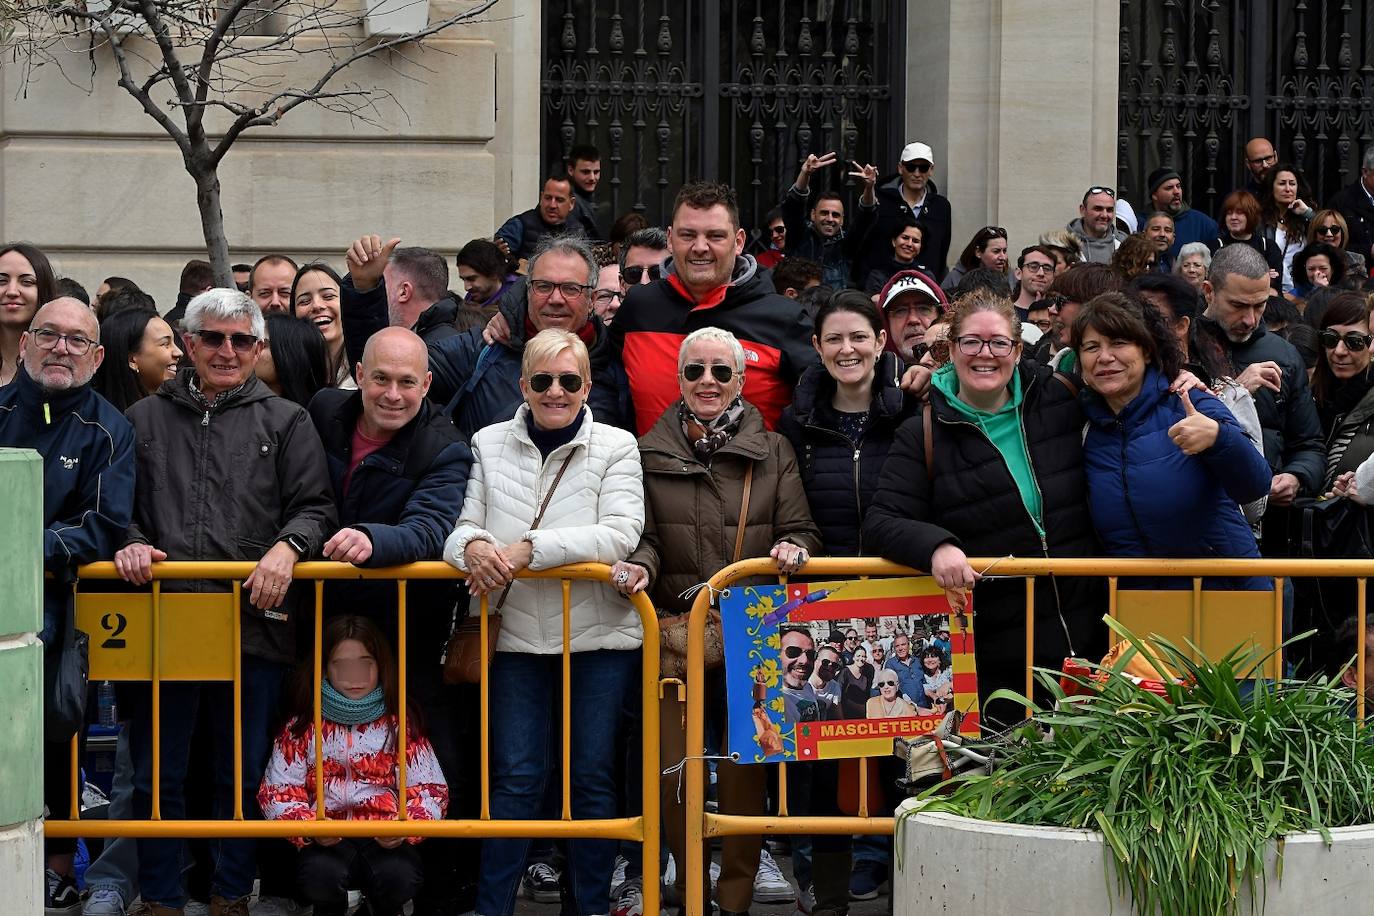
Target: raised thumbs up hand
366	258
1196	432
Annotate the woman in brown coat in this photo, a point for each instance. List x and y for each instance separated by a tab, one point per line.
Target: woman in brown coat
695	462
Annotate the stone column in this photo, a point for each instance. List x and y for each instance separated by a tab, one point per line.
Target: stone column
21	682
1018	101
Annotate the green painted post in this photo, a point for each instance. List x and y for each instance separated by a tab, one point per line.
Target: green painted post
21	681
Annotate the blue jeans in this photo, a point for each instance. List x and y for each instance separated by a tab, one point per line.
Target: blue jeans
525	745
159	861
117	867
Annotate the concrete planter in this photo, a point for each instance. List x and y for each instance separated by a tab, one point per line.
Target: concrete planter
394	18
951	864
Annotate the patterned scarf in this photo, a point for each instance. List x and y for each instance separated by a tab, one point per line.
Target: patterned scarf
707	437
338	708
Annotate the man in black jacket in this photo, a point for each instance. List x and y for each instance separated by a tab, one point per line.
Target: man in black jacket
1237	290
1356	203
397	287
823	238
226	471
399	472
88	491
556	215
912	195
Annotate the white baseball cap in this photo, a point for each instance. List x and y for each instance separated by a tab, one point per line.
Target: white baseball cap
914	151
914	282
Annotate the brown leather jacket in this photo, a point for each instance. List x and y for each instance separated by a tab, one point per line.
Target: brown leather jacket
692	509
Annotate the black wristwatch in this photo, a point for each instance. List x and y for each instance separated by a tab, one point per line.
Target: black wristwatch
297	543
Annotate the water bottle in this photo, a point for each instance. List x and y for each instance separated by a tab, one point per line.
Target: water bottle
105	700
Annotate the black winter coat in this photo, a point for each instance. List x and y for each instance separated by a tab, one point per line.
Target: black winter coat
478	384
364	313
405	497
970	499
1352	202
936	221
840	475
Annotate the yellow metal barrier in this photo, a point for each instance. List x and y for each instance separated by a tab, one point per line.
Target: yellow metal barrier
1215	621
195	637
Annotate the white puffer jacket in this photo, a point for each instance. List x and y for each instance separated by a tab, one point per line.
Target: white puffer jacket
595	516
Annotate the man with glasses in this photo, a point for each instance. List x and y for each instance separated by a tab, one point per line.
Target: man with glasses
478	384
1355	202
227	470
911	302
642	257
710	282
1259	159
87	449
1095	227
1166	195
912	195
825	680
800	703
1034	273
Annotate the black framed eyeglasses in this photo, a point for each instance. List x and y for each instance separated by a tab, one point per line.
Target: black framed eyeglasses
241	342
997	346
635	273
607	296
1036	267
719	371
570	291
541	382
917	165
47	339
1354	341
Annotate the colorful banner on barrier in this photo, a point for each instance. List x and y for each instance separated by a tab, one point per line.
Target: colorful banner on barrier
823	670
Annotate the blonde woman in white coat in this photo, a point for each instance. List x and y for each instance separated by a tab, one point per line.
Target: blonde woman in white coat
595	515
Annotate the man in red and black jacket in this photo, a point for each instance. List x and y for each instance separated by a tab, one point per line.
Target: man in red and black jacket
709	282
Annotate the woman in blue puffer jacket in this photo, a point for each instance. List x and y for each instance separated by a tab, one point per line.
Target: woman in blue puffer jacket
1166	475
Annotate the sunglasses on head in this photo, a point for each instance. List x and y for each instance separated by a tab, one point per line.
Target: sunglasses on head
917	165
635	273
1098	189
1354	341
241	343
993	232
798	651
720	372
540	382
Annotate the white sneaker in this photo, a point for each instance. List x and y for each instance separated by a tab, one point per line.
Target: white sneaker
769	884
670	871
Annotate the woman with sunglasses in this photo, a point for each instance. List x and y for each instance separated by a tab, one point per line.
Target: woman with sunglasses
551	487
889	703
994	466
987	248
1167	473
706	454
1330	227
1342	386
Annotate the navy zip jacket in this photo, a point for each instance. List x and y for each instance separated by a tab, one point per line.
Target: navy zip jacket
405	497
1149	499
88	480
840	475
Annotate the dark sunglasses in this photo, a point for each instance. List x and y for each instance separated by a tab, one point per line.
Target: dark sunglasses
540	382
634	274
721	373
1354	341
917	165
797	651
778	230
241	343
1333	229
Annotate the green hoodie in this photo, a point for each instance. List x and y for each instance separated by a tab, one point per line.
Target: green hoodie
1004	431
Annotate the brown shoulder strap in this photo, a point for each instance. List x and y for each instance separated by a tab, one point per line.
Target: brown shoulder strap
549	495
743	512
1067	383
928	431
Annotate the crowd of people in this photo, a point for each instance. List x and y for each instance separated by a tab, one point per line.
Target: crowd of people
663	401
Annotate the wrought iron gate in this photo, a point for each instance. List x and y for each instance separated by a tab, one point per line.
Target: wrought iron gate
674	90
1201	77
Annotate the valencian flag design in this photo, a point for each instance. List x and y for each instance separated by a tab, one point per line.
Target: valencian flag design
824	670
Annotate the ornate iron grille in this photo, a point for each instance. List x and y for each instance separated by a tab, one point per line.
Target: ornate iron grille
737	92
1201	77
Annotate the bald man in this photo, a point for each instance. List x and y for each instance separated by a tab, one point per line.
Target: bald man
399	471
88	491
1260	157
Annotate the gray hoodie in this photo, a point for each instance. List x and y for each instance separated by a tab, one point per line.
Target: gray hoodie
1095	250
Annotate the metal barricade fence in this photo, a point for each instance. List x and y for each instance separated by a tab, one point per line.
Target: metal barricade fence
1215	621
160	638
